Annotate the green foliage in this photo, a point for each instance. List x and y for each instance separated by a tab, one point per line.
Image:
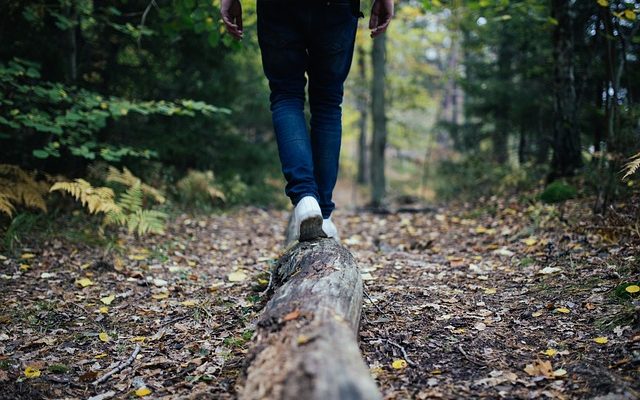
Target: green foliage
473	177
557	192
20	226
127	209
61	118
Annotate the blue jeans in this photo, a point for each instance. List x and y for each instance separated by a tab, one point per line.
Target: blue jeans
316	38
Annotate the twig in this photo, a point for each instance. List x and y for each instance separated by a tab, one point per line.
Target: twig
374	304
144	18
119	367
404	353
464	353
269	284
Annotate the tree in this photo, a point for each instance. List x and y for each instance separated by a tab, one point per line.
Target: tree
378	110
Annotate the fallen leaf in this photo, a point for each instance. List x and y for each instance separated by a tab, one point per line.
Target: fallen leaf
107	300
549	270
84	282
490	291
188	303
143	391
292	315
237	276
103	310
104	337
399	364
31	372
559	372
138	339
530	241
550	352
539	368
563	310
99	356
601	340
536	314
632	289
47	275
27	256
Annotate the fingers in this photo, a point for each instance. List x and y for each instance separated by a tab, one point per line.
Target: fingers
234	30
373	21
379	30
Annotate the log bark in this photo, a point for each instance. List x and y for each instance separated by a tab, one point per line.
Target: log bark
306	338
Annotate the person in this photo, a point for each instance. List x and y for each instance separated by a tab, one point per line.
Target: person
313	38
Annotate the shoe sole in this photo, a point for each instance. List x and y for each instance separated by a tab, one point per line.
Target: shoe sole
311	228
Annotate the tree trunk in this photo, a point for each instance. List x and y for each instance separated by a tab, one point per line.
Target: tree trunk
379	140
306	339
567	157
364	115
500	135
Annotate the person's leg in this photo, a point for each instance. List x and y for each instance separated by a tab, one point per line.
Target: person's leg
285	59
331	37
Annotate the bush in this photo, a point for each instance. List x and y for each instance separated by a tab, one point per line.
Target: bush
557	192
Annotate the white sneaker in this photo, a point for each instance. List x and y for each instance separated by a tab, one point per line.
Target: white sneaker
329	228
307	223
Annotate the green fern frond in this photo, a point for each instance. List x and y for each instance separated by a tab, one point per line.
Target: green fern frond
131	200
146	221
128	179
632	166
96	200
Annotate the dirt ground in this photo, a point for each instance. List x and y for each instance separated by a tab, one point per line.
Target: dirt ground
505	300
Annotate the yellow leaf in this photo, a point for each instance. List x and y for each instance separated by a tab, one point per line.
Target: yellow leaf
27	256
531	241
107	300
104	337
603	3
459	330
490	291
143	391
84	282
24	267
237	276
138	339
137	257
160	296
632	289
630	15
85	266
31	372
399	364
263	281
563	310
601	340
101	355
191	263
103	310
536	314
188	303
550	352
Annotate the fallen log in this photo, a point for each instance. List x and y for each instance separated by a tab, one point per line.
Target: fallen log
306	338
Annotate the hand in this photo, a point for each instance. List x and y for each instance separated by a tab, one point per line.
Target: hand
231	11
381	14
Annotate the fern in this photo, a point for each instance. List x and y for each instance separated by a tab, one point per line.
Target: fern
20	188
632	166
126	209
96	200
128	179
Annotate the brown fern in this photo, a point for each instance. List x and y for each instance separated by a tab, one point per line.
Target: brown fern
128	179
20	188
632	166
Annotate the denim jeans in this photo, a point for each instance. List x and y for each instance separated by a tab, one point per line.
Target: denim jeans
315	38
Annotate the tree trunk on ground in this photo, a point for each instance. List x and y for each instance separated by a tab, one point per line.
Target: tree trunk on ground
306	339
364	115
567	157
379	140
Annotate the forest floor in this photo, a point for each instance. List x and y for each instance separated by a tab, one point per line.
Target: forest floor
508	300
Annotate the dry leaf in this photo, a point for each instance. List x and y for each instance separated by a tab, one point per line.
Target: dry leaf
530	241
27	256
601	340
84	282
490	291
31	372
143	391
103	337
563	310
632	289
103	310
107	300
399	364
540	368
237	276
550	352
292	315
